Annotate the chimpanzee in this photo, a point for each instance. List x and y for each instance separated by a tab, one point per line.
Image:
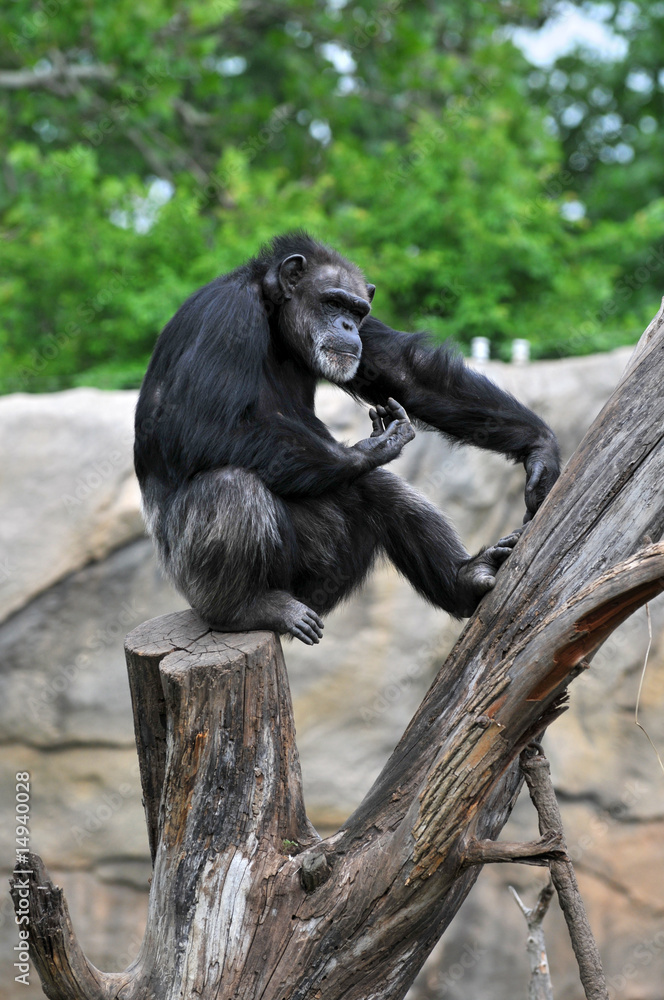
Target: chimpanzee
260	517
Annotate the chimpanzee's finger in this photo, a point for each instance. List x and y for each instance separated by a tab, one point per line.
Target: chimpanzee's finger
314	623
512	538
531	486
498	554
397	411
376	423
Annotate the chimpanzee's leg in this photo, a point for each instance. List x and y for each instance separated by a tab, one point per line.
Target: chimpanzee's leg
338	536
246	559
424	546
335	546
228	545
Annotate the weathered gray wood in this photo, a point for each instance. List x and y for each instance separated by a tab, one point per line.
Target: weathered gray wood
229	913
536	771
539	986
64	970
144	653
231	810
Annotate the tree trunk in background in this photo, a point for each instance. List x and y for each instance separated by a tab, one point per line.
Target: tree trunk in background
246	901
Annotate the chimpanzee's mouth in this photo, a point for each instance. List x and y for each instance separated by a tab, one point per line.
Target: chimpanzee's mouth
337	366
341	354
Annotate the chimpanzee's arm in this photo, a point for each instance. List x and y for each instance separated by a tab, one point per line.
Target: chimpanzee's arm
437	387
292	457
292	461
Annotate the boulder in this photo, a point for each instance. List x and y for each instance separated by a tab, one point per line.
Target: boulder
67	490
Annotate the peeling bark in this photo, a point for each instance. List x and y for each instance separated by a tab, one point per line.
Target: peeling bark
246	901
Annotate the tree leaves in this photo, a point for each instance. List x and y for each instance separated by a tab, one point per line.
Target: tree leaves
409	135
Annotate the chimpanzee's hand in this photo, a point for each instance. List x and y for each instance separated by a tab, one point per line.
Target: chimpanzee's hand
477	575
542	470
391	431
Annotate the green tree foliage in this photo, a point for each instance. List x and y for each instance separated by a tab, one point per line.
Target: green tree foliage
152	146
607	116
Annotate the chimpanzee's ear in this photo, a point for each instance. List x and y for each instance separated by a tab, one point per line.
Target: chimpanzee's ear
290	271
370	292
280	281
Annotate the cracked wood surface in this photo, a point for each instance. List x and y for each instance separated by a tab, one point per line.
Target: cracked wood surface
229	916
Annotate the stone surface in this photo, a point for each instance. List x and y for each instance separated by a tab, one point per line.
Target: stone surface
85	805
67	489
63	680
84	576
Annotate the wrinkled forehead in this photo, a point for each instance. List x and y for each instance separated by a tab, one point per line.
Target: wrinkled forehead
332	276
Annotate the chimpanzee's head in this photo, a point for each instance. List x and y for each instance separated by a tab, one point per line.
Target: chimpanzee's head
321	300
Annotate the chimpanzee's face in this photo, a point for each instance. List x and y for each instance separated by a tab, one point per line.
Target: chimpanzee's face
320	315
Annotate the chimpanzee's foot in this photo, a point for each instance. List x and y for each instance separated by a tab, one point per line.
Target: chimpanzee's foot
303	623
477	576
275	611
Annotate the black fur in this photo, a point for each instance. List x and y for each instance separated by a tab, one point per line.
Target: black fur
260	517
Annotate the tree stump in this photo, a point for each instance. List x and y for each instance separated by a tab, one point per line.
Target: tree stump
246	901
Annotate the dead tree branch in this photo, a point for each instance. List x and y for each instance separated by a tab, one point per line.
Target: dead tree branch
539	987
536	771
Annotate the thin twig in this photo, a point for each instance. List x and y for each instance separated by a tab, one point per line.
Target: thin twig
539	987
536	770
638	696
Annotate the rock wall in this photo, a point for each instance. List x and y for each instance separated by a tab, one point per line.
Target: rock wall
76	574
